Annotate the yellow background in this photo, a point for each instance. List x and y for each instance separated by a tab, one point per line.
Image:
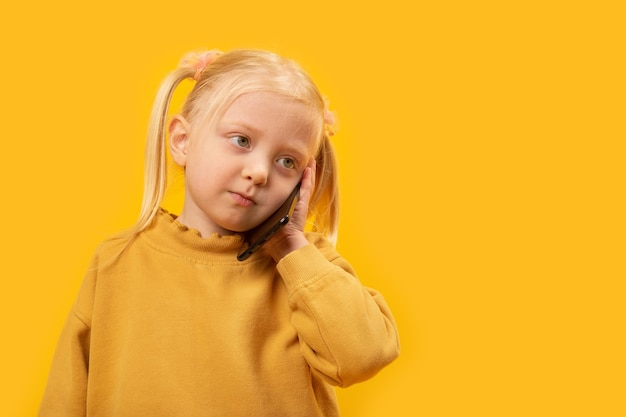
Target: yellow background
482	168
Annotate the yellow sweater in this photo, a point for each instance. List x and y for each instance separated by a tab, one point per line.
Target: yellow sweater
176	326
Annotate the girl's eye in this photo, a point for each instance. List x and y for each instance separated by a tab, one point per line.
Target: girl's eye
287	163
241	141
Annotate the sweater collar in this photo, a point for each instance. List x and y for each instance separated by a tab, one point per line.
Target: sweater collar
167	234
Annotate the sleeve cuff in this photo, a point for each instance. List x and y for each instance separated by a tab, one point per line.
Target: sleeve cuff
303	267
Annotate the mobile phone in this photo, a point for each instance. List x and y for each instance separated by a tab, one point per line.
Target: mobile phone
257	237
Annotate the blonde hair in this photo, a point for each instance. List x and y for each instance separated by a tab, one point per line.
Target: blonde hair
222	81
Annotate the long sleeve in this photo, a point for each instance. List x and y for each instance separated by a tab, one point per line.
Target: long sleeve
347	332
66	392
66	389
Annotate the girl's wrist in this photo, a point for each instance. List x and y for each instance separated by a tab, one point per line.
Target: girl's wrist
279	247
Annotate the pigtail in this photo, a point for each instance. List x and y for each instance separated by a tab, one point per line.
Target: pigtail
155	170
324	205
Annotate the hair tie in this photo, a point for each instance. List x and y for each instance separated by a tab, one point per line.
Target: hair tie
329	120
199	61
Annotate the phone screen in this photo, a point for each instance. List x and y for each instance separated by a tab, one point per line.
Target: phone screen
256	237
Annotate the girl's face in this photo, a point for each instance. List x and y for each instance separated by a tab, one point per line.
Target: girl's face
240	170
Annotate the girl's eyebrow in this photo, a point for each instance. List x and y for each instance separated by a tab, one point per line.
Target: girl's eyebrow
240	125
297	153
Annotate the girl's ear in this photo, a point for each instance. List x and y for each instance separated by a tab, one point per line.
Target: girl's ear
179	140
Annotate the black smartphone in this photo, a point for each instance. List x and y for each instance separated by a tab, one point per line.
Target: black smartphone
256	237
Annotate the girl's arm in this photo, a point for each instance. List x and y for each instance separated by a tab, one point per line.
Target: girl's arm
346	331
66	389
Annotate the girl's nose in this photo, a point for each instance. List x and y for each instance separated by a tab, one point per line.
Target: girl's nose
256	172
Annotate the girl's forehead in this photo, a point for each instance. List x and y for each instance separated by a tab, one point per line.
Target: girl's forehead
261	100
270	109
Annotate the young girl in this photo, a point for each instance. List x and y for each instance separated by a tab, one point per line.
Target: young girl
169	323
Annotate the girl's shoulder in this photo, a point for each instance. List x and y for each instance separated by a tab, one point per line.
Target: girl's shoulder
110	250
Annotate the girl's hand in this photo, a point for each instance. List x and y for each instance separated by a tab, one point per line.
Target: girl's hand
291	237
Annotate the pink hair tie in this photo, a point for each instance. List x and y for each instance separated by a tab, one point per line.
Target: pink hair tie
199	61
329	121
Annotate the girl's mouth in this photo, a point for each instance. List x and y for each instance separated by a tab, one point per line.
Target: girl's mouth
242	200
